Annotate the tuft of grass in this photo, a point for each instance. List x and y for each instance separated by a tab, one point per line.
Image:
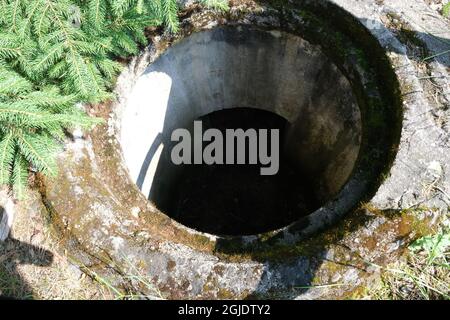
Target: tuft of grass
11	286
425	275
434	246
137	287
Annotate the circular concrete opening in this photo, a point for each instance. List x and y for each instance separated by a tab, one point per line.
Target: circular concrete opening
243	77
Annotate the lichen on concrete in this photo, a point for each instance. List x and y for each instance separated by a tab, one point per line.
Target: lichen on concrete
110	226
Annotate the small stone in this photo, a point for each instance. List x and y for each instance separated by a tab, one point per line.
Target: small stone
436	168
77	134
350	276
78	274
372	268
336	278
393	246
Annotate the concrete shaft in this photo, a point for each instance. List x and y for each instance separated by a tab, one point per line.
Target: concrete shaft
230	67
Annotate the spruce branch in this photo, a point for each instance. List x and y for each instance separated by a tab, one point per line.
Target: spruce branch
56	54
39	150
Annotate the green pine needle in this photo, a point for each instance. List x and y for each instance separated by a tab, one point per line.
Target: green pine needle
20	177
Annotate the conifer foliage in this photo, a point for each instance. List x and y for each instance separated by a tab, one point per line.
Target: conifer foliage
55	54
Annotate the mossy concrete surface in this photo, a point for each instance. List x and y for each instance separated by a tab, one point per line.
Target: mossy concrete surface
109	226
